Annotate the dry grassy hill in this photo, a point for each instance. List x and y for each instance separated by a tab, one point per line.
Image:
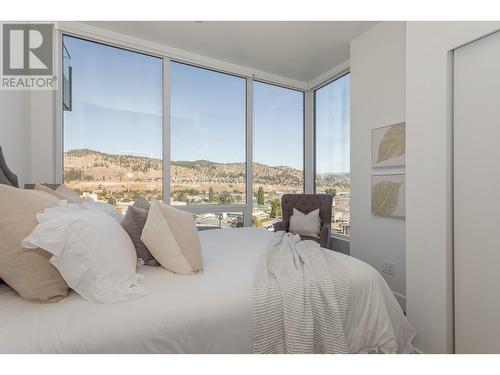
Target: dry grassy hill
94	166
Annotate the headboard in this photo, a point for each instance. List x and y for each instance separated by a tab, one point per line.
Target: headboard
6	171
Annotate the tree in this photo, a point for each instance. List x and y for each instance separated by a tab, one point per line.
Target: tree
331	191
256	222
181	196
275	209
260	196
211	194
226	198
73	175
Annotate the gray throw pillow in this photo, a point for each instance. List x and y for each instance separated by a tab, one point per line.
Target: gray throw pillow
133	223
3	179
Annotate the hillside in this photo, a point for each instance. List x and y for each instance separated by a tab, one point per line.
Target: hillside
90	165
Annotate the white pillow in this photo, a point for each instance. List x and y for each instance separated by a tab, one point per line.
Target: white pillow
66	208
305	225
103	207
93	253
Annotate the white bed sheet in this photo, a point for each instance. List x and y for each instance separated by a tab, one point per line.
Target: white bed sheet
206	313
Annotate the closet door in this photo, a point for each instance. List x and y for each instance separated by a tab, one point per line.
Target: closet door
477	196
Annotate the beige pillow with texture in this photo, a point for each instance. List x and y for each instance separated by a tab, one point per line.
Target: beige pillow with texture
172	238
28	272
305	225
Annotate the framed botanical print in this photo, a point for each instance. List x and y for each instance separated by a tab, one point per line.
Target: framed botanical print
388	195
388	146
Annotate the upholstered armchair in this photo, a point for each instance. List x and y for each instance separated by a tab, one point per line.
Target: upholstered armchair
307	203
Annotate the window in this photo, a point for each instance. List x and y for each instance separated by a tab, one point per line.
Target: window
208	137
113	135
278	150
112	122
210	220
332	149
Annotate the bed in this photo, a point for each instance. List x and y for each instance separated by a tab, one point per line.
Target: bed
206	313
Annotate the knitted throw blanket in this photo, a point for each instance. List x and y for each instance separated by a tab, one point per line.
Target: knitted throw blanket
300	297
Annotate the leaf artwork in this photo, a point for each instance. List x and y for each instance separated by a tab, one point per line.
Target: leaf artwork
392	144
385	196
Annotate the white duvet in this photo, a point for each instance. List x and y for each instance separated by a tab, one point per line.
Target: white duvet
206	313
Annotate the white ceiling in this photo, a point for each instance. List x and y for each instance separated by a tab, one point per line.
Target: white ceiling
297	50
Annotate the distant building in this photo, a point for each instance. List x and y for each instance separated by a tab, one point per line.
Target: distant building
176	203
261	215
342	200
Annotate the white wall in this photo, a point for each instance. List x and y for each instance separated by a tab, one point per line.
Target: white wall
27	134
429	246
377	99
43	136
14	132
476	154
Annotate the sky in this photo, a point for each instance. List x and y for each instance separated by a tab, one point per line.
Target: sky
332	113
118	104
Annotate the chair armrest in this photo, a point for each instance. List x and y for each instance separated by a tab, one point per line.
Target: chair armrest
324	236
280	226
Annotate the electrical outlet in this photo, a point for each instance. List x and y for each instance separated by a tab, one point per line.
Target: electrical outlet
388	268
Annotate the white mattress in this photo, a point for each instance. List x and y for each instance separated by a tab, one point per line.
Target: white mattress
207	313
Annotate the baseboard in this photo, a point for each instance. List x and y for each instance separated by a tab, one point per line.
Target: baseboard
401	300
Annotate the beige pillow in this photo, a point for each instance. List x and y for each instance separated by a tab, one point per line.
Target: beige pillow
28	272
172	238
70	195
305	225
62	193
48	190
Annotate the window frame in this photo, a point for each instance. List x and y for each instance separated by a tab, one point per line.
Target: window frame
246	208
335	77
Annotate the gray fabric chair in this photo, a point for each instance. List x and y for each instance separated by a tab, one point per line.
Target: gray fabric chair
306	203
9	175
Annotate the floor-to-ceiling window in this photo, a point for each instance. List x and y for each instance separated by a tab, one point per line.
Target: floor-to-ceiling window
112	122
113	135
207	142
278	149
333	148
